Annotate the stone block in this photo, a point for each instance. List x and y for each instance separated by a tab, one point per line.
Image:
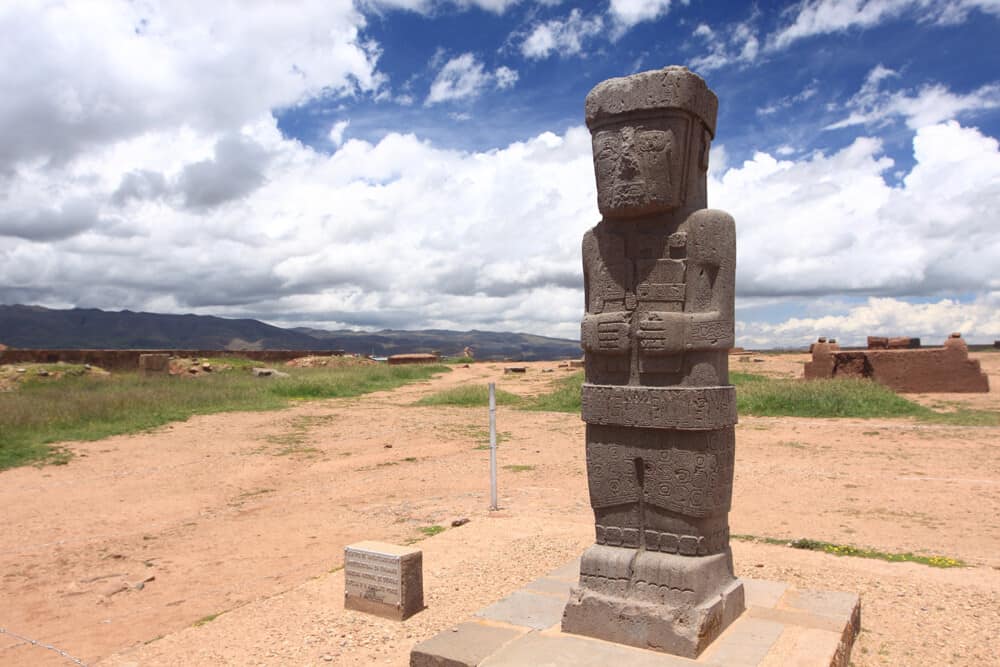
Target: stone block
466	645
154	364
531	610
383	579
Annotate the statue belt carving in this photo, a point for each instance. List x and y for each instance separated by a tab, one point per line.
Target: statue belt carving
678	408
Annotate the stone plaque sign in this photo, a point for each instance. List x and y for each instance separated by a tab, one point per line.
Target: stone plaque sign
383	579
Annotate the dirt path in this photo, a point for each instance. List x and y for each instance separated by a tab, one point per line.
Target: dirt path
244	516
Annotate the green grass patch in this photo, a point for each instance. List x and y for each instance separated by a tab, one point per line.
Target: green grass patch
564	396
469	396
822	398
760	395
205	620
431	531
518	468
857	552
39	414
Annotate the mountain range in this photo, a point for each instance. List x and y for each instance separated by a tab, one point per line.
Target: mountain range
36	327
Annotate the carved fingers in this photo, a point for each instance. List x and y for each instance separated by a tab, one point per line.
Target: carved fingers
606	333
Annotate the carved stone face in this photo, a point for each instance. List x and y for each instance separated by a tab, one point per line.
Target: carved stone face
639	166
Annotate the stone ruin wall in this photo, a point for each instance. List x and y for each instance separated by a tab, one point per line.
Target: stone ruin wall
925	370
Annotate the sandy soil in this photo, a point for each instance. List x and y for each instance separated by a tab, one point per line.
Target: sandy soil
236	524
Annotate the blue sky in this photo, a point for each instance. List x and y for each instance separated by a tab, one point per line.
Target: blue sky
423	163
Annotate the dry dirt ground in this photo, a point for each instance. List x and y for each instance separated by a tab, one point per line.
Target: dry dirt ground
236	524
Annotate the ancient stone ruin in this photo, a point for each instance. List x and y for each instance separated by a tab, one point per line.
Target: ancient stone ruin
154	364
658	275
897	365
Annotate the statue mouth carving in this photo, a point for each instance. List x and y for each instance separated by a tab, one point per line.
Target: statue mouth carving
630	192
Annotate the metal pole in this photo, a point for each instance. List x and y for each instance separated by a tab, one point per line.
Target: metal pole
493	448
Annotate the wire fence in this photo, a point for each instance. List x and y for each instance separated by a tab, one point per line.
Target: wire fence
35	642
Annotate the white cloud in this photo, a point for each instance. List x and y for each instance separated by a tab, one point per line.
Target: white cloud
928	104
833	224
505	77
734	44
787	101
627	13
818	17
427	6
110	71
563	36
398	233
464	77
977	321
336	134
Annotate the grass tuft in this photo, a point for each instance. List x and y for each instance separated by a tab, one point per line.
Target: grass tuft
564	397
469	396
857	552
39	414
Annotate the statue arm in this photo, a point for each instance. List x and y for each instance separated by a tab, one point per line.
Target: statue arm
600	332
707	322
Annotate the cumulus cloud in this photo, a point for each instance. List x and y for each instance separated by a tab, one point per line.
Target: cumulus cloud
465	77
978	321
396	229
832	224
167	185
627	13
562	36
104	72
926	105
818	17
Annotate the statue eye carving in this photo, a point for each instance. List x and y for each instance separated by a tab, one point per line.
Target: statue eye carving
606	150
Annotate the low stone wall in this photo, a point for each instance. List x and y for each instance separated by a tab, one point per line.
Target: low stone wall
397	359
129	359
937	369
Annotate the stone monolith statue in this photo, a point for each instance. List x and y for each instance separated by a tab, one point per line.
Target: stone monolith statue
660	412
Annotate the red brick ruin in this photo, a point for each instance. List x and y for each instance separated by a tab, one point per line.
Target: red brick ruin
901	365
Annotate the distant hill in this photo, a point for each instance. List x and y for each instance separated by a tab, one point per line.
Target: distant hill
35	327
90	328
485	344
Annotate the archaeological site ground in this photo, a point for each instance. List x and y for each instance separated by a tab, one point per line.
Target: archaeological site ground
220	539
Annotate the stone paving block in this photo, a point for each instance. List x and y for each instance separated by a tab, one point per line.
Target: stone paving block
570	571
762	593
530	610
836	604
782	627
560	650
804	647
745	644
550	586
466	645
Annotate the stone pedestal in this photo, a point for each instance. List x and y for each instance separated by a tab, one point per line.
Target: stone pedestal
383	579
665	602
781	626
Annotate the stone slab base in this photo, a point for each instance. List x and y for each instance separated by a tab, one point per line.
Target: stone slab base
781	626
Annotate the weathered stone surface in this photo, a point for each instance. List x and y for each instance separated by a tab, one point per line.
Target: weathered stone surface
659	271
383	579
154	364
781	626
940	369
467	645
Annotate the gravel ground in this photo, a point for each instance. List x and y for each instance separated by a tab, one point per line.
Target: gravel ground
241	519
